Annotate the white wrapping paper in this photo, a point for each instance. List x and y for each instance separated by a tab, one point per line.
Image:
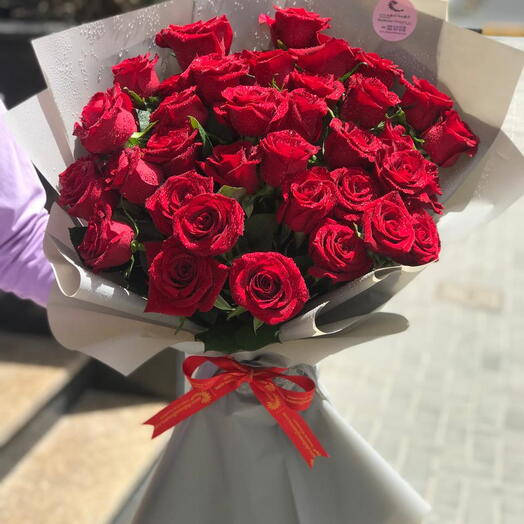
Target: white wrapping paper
231	463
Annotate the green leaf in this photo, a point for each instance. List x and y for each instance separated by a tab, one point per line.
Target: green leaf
180	325
219	337
248	340
352	72
140	137
281	45
236	312
257	324
248	204
236	193
207	146
137	100
260	231
222	304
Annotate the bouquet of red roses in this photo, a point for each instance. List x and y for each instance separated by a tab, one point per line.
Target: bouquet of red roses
239	200
238	190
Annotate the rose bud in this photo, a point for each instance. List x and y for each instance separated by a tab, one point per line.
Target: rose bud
426	247
209	224
177	151
269	285
295	27
356	189
269	66
409	173
306	114
182	283
175	84
82	187
135	178
388	226
138	74
367	101
197	39
395	137
338	253
332	57
234	165
448	138
174	110
172	195
376	66
347	145
106	243
323	86
423	103
106	122
252	110
283	154
308	198
214	73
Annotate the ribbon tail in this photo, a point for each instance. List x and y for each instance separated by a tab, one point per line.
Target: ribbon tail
186	406
293	425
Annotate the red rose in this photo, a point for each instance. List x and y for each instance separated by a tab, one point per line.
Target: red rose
174	110
182	283
269	285
209	224
409	173
269	66
284	153
323	86
448	138
426	247
106	243
338	253
306	114
388	226
252	110
295	27
200	38
308	198
135	178
423	103
347	145
176	150
367	100
172	195
356	189
214	73
395	137
378	67
106	122
174	84
234	165
82	187
138	74
333	57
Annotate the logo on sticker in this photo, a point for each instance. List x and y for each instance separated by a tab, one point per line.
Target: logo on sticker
394	20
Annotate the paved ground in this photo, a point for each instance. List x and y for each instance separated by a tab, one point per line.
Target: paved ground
443	402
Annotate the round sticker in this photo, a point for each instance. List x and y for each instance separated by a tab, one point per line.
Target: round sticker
394	20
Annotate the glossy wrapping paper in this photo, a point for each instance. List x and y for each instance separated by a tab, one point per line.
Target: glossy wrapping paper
231	463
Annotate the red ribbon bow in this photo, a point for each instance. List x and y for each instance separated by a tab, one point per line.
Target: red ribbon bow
281	403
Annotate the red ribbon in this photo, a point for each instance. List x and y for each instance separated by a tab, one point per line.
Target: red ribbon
281	403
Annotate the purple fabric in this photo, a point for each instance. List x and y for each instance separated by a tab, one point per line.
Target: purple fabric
24	269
